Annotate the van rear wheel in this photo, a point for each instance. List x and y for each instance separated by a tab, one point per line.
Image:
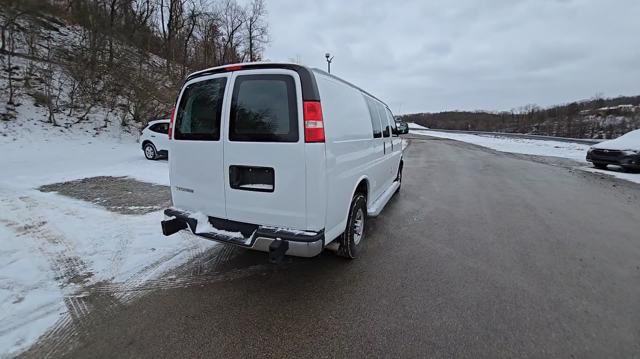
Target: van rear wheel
351	239
399	177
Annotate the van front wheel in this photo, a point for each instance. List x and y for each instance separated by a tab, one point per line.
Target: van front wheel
353	235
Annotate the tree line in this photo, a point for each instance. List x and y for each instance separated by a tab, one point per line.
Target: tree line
130	55
594	118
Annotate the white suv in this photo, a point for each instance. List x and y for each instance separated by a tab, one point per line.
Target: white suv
155	139
280	158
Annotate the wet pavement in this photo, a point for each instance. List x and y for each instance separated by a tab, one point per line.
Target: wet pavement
481	254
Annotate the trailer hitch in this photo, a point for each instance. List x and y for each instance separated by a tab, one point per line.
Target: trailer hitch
277	250
172	226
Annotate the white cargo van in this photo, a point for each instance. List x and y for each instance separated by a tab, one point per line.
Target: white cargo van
280	158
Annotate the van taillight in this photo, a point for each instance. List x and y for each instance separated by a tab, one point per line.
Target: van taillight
173	115
313	125
233	68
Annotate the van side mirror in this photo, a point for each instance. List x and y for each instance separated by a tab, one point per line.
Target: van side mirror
403	127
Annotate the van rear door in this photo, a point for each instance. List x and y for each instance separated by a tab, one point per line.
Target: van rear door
264	149
196	150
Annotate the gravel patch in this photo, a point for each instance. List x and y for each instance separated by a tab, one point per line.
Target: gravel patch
117	194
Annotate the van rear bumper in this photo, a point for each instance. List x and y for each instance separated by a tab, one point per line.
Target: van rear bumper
256	237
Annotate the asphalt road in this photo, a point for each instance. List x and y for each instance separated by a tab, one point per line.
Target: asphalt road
482	254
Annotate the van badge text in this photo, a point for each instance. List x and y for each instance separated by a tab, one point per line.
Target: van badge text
184	189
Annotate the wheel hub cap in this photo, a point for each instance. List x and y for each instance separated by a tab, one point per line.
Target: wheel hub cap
358	226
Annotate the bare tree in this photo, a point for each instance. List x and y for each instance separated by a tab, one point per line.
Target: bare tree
191	23
53	84
232	18
113	61
171	25
8	29
10	66
210	40
256	29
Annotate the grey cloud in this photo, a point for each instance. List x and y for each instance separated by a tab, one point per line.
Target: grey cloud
466	54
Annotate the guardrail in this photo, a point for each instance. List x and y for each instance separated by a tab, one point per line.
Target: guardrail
585	141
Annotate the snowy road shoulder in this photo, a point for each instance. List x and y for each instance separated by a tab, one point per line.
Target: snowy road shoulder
572	151
58	250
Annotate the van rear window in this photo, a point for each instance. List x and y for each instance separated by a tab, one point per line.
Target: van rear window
199	111
263	109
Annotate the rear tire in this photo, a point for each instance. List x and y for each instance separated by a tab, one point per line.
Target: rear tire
150	151
601	166
399	177
351	239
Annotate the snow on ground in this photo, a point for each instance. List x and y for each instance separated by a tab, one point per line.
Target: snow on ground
573	151
615	172
416	126
54	248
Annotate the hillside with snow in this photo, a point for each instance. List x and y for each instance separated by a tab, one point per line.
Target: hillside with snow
44	93
54	129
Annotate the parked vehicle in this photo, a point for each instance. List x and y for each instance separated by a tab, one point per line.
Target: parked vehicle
155	139
403	127
623	151
280	158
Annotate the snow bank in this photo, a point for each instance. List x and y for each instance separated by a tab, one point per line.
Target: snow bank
54	248
415	125
30	299
573	151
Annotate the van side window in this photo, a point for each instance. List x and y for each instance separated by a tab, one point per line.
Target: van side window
386	128
199	111
375	118
392	121
264	109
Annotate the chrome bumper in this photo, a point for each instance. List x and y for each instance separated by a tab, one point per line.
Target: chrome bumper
256	237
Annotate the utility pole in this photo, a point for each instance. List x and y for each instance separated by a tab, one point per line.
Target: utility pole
329	59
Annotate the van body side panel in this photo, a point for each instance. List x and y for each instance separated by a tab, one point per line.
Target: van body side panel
349	152
316	185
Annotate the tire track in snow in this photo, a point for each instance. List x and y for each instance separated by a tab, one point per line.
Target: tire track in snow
87	301
124	291
71	272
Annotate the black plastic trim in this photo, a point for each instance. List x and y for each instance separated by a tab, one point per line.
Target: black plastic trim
235	175
307	79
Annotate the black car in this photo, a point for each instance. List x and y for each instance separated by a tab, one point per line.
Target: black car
624	151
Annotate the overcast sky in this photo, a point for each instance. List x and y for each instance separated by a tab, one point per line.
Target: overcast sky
435	55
